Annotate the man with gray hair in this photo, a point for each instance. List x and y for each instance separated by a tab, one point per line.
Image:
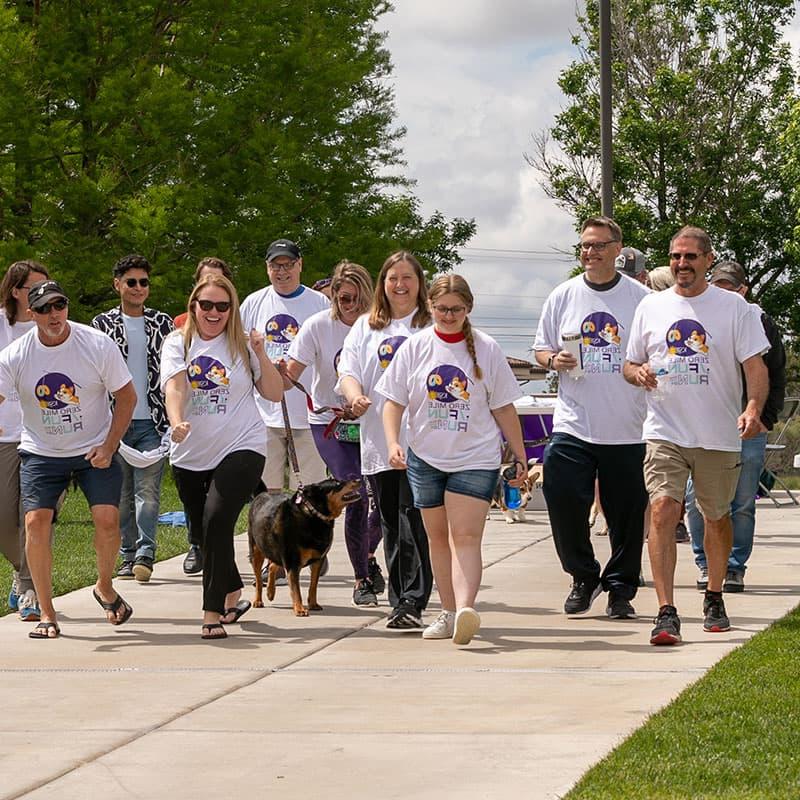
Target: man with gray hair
688	346
730	275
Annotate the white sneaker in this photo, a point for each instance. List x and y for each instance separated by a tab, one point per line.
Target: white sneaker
28	607
468	623
442	627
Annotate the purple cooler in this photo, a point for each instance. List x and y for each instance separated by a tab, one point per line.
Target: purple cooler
536	417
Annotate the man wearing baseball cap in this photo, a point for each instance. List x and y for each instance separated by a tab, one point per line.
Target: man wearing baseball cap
730	275
278	310
62	373
632	262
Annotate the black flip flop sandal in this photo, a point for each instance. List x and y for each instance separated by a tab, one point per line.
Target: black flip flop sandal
42	631
114	608
213	626
242	607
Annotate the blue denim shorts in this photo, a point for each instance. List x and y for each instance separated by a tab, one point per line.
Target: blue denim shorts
42	479
429	484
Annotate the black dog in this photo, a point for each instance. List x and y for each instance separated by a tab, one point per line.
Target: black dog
293	531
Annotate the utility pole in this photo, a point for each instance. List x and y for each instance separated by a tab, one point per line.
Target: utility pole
606	165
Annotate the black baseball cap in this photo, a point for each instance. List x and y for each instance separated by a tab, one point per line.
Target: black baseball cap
730	271
43	292
282	247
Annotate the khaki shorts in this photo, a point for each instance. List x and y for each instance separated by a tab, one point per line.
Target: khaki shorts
715	473
312	467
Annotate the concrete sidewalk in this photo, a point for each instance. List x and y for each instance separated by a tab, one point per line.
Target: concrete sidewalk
335	705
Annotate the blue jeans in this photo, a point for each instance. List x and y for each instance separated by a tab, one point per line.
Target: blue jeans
141	494
743	508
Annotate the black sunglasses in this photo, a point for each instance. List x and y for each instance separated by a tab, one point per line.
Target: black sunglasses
131	282
222	306
58	305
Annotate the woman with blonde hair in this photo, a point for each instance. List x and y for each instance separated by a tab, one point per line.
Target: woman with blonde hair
458	390
208	371
398	312
319	345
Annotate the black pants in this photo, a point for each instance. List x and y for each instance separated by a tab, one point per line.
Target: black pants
213	500
570	468
405	543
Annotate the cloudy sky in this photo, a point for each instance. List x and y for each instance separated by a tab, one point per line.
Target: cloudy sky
473	79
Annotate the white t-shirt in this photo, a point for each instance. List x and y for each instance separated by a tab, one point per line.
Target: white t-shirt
280	319
319	345
365	355
137	362
221	406
703	339
599	407
450	423
63	390
10	411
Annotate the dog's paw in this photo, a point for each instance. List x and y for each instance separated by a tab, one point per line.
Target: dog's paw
258	604
301	612
315	607
509	520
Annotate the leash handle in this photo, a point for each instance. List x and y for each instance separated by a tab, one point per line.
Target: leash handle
341	413
290	444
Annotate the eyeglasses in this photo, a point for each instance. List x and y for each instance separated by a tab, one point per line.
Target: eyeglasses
131	282
222	306
597	246
58	305
347	299
286	266
454	310
687	256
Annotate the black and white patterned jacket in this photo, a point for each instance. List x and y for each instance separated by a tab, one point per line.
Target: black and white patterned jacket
157	325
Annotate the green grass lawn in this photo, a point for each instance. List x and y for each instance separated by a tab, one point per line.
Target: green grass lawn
73	552
735	734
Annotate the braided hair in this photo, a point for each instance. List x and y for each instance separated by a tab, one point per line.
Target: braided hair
455	284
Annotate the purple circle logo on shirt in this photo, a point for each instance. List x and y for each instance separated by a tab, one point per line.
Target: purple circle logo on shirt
206	373
336	359
387	348
448	384
687	337
281	328
600	330
56	390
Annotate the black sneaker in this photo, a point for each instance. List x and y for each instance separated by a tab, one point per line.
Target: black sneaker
376	576
143	569
125	571
619	607
364	595
734	582
580	599
193	563
404	618
716	620
667	626
681	534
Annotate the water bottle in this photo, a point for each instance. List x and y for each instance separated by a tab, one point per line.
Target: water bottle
512	496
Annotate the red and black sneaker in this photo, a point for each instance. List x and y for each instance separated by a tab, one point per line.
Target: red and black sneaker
667	626
716	620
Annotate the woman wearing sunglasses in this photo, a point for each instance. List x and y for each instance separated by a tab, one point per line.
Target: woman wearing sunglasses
459	392
399	310
319	345
217	454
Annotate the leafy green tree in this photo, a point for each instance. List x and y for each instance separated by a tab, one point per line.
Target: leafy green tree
184	128
702	91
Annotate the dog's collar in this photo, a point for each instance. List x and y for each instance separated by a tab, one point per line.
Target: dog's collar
300	500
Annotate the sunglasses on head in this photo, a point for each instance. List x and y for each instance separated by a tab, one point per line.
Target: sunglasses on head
58	305
131	282
222	306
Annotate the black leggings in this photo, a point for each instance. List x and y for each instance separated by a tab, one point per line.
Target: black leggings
405	543
213	500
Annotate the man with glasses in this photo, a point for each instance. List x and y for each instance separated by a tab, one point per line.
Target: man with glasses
597	424
62	373
139	333
278	311
702	338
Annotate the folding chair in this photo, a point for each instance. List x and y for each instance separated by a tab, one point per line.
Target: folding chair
790	408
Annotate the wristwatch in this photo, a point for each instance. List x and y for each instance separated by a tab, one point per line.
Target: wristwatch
550	360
